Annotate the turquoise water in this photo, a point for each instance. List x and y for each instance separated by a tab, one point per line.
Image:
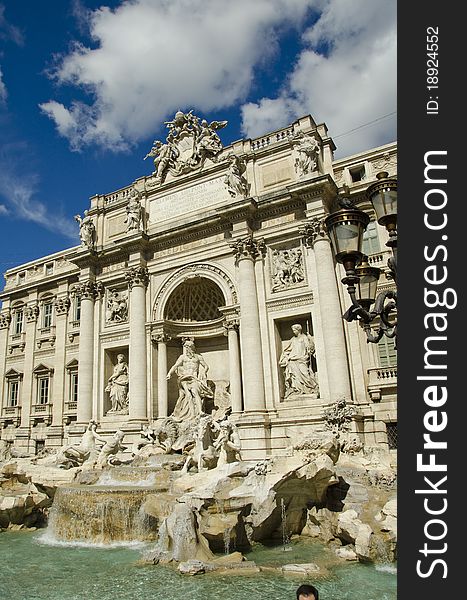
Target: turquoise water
32	569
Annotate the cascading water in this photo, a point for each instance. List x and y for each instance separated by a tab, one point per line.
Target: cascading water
100	515
285	535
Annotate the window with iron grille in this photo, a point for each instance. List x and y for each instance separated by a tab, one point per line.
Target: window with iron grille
391	431
40	446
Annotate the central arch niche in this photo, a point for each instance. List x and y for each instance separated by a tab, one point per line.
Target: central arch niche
192	310
195	300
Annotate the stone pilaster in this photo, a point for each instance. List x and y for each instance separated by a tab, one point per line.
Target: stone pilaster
31	313
231	327
162	390
88	291
246	251
137	278
61	308
316	237
5	320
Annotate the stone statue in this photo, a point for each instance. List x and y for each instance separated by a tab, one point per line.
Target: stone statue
227	443
188	144
117	307
84	452
234	179
162	435
134	212
295	359
203	454
117	387
87	230
307	149
287	268
191	370
164	156
111	448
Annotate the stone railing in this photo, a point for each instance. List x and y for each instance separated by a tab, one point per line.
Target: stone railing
271	138
379	259
381	379
123	194
41	411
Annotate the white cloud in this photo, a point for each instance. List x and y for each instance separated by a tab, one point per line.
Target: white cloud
18	193
345	76
151	58
3	92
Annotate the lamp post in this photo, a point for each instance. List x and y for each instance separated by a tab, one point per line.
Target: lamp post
346	228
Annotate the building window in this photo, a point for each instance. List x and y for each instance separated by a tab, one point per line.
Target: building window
43	390
357	173
371	243
73	386
387	352
40	446
77	310
18	322
47	315
49	269
13	393
391	430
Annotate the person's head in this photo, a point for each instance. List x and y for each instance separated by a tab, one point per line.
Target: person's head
307	592
297	329
120	358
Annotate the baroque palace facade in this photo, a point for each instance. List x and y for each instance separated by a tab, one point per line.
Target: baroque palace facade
217	263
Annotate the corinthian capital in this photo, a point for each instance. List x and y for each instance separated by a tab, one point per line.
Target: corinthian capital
5	319
62	305
248	248
32	312
87	290
137	276
313	230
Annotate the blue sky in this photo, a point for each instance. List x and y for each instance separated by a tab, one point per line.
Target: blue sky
85	87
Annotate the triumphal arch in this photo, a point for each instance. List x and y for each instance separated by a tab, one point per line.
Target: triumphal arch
206	286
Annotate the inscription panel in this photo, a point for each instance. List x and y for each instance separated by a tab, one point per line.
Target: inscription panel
189	200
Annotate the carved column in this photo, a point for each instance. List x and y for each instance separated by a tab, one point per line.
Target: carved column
246	251
231	326
5	320
138	279
330	310
88	291
162	389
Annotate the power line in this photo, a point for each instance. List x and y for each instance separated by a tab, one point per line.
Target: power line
365	125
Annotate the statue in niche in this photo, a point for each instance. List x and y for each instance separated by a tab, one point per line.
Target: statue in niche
287	268
307	149
134	212
117	387
87	230
234	179
300	380
117	307
110	449
191	370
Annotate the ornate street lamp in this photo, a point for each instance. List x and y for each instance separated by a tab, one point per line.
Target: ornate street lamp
346	227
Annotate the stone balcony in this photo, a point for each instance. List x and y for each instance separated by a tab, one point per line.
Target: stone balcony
46	335
69	412
381	381
10	414
41	412
17	340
